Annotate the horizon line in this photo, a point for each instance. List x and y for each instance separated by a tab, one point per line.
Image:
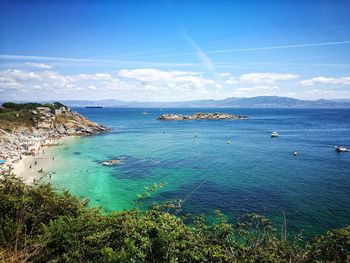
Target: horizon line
138	101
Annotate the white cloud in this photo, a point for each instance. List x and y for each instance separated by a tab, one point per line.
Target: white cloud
325	94
225	74
52	81
168	79
91	87
38	65
326	81
231	81
319	91
151	84
228	78
142	84
264	90
258	89
95	62
16	74
150	74
8	82
96	76
266	78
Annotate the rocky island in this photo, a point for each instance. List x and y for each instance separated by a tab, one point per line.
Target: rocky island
26	128
201	116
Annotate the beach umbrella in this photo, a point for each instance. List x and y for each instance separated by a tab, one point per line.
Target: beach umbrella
2	161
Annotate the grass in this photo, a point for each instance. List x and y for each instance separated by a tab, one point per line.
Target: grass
10	120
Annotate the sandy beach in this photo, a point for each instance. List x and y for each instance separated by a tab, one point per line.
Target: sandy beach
25	147
31	168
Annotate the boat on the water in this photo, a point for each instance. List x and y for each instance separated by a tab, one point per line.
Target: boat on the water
93	107
111	162
145	113
341	148
274	134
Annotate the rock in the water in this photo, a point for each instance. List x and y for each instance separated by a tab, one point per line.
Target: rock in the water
201	116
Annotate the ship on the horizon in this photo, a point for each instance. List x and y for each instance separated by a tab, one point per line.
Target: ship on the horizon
94	107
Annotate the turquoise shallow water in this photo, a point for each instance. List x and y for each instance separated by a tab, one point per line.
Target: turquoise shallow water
255	173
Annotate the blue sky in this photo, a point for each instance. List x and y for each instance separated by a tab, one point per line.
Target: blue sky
174	50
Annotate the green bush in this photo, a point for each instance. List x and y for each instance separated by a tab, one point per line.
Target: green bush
30	106
21	106
58	105
333	246
39	224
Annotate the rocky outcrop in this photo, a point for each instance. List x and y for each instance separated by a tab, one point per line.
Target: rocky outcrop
64	121
201	116
47	126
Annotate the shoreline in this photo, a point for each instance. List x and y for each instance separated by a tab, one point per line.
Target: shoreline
23	147
28	168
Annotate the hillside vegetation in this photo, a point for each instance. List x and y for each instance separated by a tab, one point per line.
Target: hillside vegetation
14	115
41	225
54	118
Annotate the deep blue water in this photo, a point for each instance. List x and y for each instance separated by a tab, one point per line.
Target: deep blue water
255	173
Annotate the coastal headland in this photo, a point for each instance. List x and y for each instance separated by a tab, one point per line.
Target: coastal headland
26	130
201	116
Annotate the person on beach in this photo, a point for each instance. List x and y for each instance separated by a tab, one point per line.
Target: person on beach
30	166
53	158
35	163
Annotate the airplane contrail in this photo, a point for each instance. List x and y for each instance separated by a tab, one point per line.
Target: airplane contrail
252	49
279	47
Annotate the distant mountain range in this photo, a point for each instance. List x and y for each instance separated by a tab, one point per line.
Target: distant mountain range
254	102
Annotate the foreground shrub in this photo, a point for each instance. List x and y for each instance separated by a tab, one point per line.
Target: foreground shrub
41	225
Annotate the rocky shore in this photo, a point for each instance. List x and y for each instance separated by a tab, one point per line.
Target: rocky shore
201	116
46	128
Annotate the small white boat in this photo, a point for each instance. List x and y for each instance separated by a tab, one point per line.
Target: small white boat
111	162
341	149
274	134
145	113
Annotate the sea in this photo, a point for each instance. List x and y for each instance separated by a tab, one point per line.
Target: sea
234	166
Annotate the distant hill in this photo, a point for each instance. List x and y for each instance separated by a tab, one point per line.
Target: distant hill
254	102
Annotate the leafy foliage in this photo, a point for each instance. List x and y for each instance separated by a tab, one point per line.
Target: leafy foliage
11	119
11	106
21	106
14	115
39	224
58	105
